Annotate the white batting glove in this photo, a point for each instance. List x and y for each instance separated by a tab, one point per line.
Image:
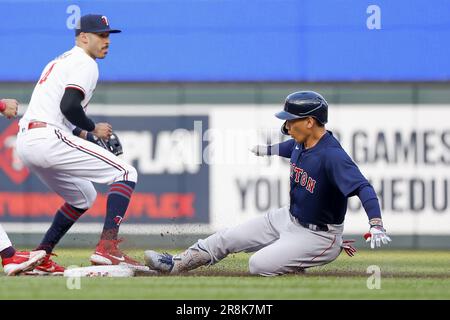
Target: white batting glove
377	234
260	150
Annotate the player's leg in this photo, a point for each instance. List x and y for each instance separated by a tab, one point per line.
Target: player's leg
88	161
250	236
66	164
79	195
6	248
15	262
51	152
298	248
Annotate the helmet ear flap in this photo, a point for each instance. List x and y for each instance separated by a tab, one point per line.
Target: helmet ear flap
284	130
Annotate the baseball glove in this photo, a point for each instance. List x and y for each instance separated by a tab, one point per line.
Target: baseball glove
113	144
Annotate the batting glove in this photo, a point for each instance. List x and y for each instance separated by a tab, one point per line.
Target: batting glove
260	150
377	234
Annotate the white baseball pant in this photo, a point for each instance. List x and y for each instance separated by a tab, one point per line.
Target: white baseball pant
68	164
4	240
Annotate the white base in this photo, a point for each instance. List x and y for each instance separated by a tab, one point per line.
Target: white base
100	271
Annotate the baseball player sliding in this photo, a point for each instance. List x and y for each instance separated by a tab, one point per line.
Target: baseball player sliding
55	141
15	262
308	232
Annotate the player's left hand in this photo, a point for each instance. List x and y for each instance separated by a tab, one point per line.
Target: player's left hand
376	236
347	246
260	150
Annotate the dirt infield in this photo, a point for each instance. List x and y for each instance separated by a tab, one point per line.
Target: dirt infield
344	274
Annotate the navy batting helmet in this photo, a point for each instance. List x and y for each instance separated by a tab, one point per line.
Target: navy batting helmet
303	104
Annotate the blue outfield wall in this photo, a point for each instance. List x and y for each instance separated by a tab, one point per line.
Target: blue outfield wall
235	40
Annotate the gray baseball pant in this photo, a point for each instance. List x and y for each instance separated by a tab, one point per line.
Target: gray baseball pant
280	243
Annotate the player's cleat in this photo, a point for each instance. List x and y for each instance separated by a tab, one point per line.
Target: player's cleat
190	259
22	261
48	267
108	253
162	262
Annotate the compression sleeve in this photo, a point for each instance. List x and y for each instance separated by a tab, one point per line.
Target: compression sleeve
369	201
283	149
71	108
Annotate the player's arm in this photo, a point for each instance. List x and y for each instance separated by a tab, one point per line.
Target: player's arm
8	107
377	233
350	181
84	134
283	149
73	111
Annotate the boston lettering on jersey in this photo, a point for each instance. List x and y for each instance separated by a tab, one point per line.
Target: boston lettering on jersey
302	177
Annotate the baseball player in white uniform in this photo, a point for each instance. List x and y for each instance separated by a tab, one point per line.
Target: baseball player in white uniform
54	141
15	262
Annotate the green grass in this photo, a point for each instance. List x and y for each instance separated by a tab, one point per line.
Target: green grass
404	275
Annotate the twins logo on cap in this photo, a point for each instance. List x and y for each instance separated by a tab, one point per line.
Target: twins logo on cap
94	23
105	20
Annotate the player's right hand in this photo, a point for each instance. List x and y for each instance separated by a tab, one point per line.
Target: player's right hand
376	236
260	150
103	130
11	108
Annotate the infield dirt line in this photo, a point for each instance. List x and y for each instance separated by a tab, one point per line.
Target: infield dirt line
347	274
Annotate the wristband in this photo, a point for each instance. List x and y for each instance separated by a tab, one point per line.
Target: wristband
91	137
77	131
376	222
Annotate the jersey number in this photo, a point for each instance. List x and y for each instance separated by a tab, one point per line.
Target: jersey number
44	78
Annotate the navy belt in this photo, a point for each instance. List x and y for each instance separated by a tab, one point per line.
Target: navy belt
315	227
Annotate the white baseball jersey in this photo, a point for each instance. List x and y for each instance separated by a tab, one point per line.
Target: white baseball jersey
73	69
67	164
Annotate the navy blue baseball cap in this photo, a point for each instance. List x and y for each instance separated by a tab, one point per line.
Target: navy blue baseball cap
94	23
